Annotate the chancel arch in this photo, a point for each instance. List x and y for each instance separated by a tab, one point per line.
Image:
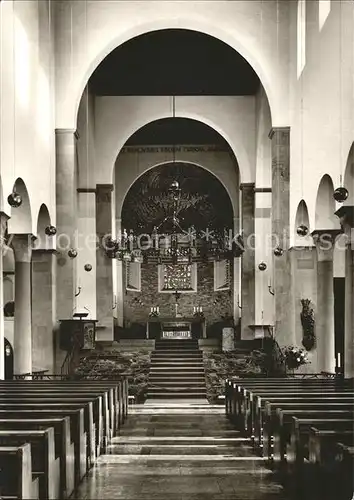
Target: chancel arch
204	208
167	17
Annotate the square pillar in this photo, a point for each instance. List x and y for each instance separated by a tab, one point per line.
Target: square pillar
248	261
280	137
88	244
104	272
264	300
324	241
304	271
119	303
346	217
65	149
3	221
43	309
22	246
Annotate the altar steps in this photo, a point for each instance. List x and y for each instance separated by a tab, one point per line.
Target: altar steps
177	370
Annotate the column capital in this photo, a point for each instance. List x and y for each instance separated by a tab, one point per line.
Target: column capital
262	189
346	216
324	240
45	251
279	132
22	247
3	221
86	190
104	187
247	185
64	131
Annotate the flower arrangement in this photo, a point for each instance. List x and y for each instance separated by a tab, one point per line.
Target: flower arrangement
294	357
308	325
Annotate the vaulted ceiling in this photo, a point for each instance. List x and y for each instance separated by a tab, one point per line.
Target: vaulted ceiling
174	62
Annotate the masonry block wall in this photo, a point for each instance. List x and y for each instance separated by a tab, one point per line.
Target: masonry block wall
215	304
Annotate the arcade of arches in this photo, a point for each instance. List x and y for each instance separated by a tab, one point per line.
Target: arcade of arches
247	108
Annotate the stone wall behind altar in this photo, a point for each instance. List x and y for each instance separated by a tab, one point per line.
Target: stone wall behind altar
214	304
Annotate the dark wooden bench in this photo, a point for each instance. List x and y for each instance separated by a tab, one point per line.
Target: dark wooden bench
17	481
258	415
322	465
239	395
41	403
64	448
101	415
297	449
270	412
77	431
118	393
43	457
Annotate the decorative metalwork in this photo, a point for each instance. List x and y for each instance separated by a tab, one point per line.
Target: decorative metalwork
177	277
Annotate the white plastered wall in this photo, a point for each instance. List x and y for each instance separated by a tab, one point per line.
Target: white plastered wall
27	102
322	102
258	30
117	118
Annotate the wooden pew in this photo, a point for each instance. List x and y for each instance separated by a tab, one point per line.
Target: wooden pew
258	414
17	481
244	396
297	449
67	403
117	390
344	471
321	468
77	431
270	410
43	457
64	448
101	416
238	395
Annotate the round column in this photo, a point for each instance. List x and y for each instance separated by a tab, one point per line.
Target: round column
22	246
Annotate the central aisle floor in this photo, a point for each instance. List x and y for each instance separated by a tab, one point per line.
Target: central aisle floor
179	451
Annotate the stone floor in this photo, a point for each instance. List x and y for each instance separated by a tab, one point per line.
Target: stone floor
179	451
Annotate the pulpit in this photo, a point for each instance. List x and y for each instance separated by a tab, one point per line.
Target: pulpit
77	331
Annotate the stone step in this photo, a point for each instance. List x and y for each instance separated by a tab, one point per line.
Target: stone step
184	352
178	387
178	383
177	369
179	355
176	378
176	395
184	362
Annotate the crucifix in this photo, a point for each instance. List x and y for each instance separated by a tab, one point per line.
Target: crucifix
177	297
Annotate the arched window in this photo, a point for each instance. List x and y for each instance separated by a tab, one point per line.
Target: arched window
324	8
301	36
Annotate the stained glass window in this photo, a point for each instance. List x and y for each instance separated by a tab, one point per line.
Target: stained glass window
177	277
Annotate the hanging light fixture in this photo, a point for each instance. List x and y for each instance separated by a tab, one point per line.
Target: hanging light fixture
50	230
278	251
72	253
262	266
302	230
341	194
14	199
88	267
